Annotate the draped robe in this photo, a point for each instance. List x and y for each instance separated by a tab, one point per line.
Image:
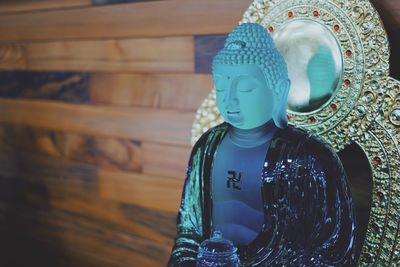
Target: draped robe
308	211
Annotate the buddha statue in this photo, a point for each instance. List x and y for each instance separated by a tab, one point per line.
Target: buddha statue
278	193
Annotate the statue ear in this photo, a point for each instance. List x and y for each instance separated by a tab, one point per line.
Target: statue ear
281	92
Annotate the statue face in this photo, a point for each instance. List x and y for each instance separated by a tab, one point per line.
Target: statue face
243	97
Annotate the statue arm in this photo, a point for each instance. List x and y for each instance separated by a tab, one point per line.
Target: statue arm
326	215
189	220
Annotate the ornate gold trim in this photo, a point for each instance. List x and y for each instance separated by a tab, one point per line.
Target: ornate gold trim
365	110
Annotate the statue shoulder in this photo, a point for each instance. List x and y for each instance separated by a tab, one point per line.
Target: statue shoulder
323	151
312	144
210	136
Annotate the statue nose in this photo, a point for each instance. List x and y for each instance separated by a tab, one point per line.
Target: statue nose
231	97
233	101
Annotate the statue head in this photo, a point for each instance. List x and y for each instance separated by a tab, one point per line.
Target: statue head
251	79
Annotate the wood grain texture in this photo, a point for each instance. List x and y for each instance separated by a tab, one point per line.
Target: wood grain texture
112	2
61	201
12	56
156	225
168	54
69	87
108	153
206	47
91	236
158	18
40	252
43	183
163	126
42	178
155	192
33	180
11	6
165	160
171	91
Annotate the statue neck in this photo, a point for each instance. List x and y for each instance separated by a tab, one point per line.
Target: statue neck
252	137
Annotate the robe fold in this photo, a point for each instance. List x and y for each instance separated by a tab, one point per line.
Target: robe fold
308	212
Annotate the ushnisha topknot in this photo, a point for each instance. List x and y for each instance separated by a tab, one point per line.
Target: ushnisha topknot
250	43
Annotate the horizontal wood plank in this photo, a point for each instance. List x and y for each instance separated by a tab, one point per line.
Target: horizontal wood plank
175	91
155	192
43	183
112	2
125	89
33	180
42	178
152	224
165	160
39	251
45	178
206	47
11	6
158	18
90	236
156	225
71	87
107	153
163	126
168	54
12	56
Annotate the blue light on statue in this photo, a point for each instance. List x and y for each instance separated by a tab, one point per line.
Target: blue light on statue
278	193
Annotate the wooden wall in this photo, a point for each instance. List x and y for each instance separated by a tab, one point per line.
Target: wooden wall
97	99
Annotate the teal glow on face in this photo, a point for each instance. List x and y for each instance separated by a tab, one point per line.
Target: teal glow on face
243	97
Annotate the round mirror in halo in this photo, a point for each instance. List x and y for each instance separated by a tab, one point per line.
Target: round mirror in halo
314	62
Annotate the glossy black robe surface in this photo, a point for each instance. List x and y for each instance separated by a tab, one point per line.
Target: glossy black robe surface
308	210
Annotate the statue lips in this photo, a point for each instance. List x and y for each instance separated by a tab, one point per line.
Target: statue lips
234	116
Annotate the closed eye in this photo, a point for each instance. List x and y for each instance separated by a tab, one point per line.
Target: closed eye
247	85
247	89
219	88
219	84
